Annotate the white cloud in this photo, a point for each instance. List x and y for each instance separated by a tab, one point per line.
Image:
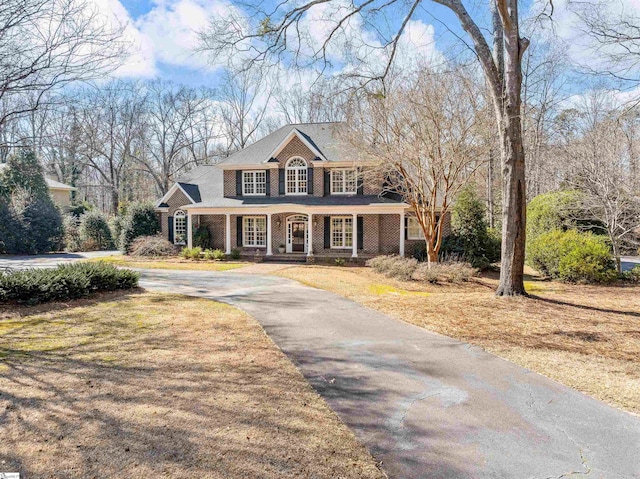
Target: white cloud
172	28
141	59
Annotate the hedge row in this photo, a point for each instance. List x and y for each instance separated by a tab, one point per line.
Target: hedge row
77	280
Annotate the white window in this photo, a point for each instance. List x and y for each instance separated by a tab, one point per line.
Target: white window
254	231
414	230
254	183
341	232
179	227
296	176
344	181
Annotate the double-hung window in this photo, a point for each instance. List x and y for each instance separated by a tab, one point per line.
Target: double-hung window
344	181
341	232
254	231
296	171
254	183
414	230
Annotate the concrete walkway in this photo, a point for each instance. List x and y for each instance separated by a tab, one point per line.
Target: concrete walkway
427	406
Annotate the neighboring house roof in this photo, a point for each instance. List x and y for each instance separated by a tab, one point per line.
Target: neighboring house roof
321	137
56	185
51	184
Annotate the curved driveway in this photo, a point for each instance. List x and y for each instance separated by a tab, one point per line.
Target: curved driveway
427	406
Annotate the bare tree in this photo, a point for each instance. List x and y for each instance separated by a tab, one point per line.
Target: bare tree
176	130
426	136
244	102
45	44
109	123
280	36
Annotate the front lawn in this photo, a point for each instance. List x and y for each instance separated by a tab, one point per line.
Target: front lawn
171	263
586	337
151	385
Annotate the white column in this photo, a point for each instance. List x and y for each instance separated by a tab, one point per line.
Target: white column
310	236
402	233
269	248
355	236
227	231
189	231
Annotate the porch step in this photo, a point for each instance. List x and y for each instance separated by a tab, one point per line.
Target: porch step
286	258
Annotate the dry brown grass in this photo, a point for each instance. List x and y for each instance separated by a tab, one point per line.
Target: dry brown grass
151	385
586	337
174	262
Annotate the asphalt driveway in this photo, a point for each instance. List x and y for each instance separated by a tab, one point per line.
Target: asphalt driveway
426	405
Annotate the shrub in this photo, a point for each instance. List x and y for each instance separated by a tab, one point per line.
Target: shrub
72	240
214	254
572	256
394	266
79	209
633	275
470	236
340	261
445	272
235	253
151	246
202	237
36	224
551	211
140	220
94	231
191	253
65	282
115	225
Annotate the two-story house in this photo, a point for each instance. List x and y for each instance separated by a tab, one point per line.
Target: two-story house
296	192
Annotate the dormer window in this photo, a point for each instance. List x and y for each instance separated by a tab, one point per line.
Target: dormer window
344	181
296	176
254	183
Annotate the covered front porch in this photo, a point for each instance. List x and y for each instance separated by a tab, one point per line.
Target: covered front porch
291	231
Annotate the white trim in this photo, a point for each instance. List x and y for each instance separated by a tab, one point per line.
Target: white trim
255	183
189	231
244	235
296	181
296	218
402	233
343	170
303	209
227	238
269	246
180	214
414	238
171	191
353	239
310	234
287	139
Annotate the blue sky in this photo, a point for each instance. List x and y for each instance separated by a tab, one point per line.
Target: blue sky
164	34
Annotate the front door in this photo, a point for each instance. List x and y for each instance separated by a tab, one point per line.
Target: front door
297	237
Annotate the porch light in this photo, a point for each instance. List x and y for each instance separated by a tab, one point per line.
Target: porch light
278	222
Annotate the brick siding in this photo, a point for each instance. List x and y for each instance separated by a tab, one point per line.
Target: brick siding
216	226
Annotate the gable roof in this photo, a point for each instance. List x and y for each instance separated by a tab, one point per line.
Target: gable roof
56	185
322	138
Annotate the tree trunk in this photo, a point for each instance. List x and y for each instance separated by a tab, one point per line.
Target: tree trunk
513	170
490	206
115	200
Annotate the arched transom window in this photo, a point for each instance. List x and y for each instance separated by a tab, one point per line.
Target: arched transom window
296	171
179	227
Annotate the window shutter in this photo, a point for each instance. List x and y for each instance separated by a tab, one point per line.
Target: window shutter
239	231
170	225
360	190
310	181
281	181
238	182
327	232
327	182
268	180
360	232
406	228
